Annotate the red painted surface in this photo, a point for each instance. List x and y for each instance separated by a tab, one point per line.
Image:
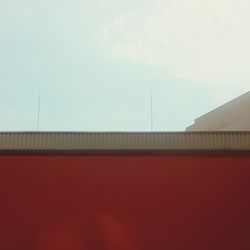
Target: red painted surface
125	203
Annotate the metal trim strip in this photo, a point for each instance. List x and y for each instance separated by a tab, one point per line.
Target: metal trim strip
88	141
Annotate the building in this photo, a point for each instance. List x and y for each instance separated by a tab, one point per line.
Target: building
125	191
232	116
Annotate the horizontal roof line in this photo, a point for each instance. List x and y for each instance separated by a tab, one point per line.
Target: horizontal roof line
124	141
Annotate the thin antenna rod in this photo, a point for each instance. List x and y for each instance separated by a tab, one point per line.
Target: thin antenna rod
38	110
151	95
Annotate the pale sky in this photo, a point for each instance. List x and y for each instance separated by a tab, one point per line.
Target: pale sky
96	61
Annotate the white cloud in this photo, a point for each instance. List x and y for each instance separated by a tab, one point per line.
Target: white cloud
199	40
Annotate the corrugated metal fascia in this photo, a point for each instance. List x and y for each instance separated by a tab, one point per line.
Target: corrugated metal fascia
124	141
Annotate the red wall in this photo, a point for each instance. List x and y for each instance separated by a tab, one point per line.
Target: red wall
124	203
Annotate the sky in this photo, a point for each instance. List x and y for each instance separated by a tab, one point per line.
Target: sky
94	63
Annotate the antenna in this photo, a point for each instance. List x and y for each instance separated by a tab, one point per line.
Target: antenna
151	97
38	110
